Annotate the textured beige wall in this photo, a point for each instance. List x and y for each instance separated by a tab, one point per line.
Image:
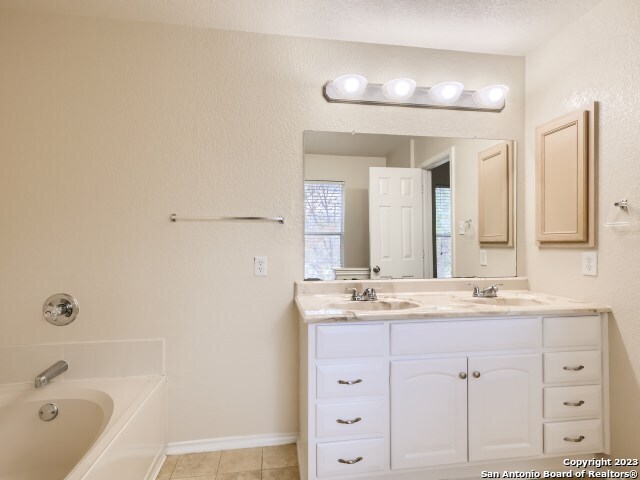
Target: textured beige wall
596	58
106	127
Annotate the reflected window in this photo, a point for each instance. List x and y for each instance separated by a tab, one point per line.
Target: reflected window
323	228
443	231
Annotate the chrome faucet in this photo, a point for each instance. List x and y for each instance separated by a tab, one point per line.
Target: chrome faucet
53	371
489	292
367	295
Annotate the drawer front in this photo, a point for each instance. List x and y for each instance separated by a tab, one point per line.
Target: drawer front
345	419
349	341
465	336
339	381
568	367
571	331
346	458
573	437
570	402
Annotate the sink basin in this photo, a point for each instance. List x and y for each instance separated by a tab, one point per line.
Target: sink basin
375	305
505	301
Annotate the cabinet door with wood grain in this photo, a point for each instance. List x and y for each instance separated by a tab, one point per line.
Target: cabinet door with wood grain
562	168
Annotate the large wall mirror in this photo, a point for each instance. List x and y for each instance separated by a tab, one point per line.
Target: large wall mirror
390	206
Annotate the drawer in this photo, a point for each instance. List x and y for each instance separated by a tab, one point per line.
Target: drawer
571	331
339	381
570	402
465	336
357	418
568	367
348	341
346	458
573	437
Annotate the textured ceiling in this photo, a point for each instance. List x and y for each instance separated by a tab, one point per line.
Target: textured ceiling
352	144
511	27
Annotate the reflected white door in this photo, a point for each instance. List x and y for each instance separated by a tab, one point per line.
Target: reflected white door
395	222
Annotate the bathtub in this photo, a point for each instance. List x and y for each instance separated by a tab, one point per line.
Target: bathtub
105	429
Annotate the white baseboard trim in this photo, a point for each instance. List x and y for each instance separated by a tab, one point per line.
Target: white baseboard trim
230	443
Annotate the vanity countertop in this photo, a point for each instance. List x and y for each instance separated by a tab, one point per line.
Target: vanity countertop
326	302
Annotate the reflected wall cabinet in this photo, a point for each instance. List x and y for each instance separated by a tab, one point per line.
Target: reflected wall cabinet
495	195
564	181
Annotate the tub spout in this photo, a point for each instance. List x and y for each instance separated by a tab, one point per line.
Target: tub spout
53	371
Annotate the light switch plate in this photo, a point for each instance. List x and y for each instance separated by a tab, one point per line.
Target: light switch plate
590	263
483	258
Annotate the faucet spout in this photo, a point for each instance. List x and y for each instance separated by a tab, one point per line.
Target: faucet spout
53	371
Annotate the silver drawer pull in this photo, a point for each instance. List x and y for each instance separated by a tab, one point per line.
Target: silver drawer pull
350	462
574	404
575	369
576	440
349	422
349	382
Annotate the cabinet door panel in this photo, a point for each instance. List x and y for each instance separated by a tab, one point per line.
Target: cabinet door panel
505	407
428	412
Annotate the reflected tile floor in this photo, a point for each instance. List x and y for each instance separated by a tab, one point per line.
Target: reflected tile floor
267	463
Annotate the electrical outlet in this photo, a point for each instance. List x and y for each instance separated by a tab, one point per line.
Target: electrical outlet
590	263
483	258
260	266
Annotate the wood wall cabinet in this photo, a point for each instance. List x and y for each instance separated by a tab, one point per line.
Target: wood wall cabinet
495	195
564	180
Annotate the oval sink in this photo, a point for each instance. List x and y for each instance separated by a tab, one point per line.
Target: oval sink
375	305
505	301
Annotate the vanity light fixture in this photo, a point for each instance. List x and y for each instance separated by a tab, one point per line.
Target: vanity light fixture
399	89
350	85
403	92
491	96
445	93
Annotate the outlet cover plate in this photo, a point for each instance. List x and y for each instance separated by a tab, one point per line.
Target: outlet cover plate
590	263
260	266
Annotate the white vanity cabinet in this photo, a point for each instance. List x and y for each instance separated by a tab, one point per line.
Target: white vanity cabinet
441	398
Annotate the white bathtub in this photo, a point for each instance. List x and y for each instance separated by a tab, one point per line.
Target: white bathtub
106	429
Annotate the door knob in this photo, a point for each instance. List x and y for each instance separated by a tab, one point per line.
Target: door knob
376	269
462	375
476	374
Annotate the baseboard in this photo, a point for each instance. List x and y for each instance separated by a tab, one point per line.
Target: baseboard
230	443
156	466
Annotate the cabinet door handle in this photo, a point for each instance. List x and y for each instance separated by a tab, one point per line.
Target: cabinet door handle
575	369
476	374
348	422
349	382
574	404
350	462
462	375
576	440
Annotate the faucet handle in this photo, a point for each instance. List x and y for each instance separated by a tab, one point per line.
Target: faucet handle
370	294
476	289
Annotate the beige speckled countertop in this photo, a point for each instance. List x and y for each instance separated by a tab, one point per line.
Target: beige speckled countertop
320	302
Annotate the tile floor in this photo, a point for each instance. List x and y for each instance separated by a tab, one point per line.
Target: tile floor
267	463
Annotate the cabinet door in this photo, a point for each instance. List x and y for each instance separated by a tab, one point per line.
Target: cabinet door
428	412
505	406
494	195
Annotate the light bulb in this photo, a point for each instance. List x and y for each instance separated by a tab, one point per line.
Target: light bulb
399	89
445	93
491	96
350	85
